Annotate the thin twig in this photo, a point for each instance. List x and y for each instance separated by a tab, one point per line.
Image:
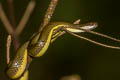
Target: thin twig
92	41
13	23
77	21
8	48
100	34
49	13
103	35
15	41
9	27
11	13
5	21
25	17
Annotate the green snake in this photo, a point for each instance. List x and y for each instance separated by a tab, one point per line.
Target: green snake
38	45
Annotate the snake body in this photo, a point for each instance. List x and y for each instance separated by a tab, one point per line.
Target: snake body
39	44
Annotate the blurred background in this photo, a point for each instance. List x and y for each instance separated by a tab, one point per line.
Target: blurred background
69	55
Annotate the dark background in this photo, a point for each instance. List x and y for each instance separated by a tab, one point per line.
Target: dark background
68	54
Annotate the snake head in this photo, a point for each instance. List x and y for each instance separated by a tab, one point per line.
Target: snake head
82	27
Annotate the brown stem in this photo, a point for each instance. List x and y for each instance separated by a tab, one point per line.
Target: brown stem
9	27
77	21
8	45
92	41
25	17
8	48
11	13
5	21
13	23
15	40
48	14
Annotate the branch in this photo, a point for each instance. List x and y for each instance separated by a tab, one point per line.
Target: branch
77	21
25	17
8	48
5	21
48	14
92	41
11	13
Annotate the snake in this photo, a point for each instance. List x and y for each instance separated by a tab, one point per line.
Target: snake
38	45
